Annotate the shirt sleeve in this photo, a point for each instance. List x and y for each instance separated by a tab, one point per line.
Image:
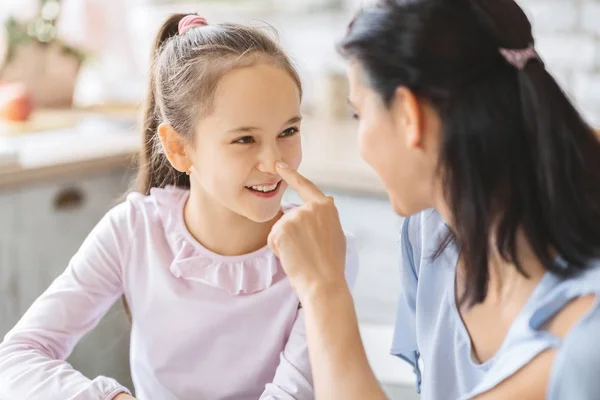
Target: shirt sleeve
404	344
293	378
33	353
577	364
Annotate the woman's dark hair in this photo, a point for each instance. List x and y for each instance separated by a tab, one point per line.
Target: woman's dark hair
516	155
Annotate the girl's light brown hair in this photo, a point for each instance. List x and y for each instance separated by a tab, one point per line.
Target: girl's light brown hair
185	70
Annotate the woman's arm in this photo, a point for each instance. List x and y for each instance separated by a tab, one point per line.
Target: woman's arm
293	379
33	353
340	366
311	246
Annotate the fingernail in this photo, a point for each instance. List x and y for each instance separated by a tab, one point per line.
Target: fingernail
282	165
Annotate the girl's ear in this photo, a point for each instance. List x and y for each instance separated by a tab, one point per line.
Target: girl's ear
173	145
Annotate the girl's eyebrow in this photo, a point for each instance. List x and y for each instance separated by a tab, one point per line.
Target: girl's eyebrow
244	129
250	129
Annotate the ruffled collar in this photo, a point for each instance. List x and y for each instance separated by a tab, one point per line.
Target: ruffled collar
245	274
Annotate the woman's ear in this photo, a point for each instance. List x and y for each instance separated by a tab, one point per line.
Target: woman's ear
407	113
174	147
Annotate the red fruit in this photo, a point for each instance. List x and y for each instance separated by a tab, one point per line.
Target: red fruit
16	103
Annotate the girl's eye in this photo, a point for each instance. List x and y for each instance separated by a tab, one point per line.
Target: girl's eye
355	116
289	132
244	140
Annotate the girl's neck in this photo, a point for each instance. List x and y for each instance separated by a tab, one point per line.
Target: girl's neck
221	230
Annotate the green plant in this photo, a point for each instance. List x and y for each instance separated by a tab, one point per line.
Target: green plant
41	30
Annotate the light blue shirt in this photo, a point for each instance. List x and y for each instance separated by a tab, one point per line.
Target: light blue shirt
431	336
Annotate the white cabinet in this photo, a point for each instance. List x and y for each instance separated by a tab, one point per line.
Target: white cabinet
41	227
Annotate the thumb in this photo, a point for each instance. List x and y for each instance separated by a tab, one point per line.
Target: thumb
272	240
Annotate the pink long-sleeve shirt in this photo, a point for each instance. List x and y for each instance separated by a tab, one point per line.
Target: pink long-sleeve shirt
204	326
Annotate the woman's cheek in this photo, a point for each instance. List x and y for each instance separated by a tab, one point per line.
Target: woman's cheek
364	143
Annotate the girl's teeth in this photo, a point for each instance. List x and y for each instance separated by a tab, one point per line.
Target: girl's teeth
264	188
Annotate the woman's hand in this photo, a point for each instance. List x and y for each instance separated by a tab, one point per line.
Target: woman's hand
309	240
311	246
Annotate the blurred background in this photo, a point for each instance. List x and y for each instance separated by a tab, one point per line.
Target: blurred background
72	77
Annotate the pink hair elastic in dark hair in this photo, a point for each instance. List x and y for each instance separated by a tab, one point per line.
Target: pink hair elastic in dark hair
519	58
190	21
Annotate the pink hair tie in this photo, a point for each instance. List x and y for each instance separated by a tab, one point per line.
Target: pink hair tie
190	21
520	58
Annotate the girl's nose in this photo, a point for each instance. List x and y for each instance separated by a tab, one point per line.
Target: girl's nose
267	159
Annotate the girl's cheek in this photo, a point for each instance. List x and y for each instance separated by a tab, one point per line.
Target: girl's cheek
292	154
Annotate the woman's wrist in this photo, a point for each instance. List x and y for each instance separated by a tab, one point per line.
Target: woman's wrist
320	294
337	354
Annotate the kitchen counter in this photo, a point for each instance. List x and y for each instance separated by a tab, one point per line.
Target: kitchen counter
15	176
100	142
96	142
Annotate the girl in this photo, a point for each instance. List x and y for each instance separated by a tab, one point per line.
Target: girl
501	261
213	315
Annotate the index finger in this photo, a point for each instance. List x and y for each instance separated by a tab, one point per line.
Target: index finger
307	190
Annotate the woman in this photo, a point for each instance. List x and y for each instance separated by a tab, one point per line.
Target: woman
500	258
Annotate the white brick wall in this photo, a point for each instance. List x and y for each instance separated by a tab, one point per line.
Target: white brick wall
568	39
553	16
591	16
567	34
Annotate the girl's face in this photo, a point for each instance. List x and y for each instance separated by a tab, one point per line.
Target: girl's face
255	122
399	142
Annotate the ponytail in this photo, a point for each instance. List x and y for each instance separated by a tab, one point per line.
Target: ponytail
567	174
154	168
565	155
